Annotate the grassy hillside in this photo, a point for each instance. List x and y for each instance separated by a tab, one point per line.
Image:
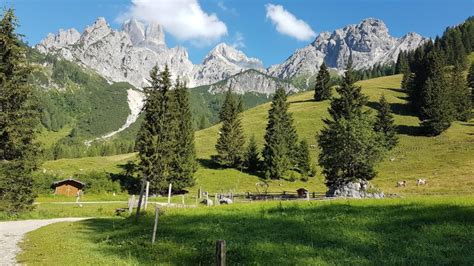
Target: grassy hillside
446	161
428	231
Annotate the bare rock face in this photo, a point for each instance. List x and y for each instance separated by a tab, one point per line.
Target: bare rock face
222	62
251	81
130	53
357	189
369	43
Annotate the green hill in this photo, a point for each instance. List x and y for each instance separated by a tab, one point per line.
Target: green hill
446	161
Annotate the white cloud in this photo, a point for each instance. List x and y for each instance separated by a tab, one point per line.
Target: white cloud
287	24
238	41
183	19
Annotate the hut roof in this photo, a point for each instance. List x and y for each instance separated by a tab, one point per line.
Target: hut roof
60	182
302	189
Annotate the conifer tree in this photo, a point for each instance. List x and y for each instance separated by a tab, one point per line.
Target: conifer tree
280	150
436	102
155	142
470	76
322	90
384	124
252	156
351	101
19	120
350	147
460	94
231	141
304	159
184	165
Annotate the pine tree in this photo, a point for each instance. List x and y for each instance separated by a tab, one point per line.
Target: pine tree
384	124
322	90
304	159
184	165
351	99
460	94
19	121
436	102
280	151
350	147
470	76
252	158
230	145
155	141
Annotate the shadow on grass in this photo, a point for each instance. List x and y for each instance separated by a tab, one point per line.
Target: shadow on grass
410	130
290	234
396	108
209	163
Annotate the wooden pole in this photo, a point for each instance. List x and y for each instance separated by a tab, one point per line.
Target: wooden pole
155	225
199	193
147	190
140	199
220	252
182	199
131	202
169	194
216	200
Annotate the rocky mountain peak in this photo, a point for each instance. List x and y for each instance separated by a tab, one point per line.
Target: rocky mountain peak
151	35
369	42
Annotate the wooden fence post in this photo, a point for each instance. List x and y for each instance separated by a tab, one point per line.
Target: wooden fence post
147	190
169	194
140	199
199	193
220	253
131	202
155	225
182	199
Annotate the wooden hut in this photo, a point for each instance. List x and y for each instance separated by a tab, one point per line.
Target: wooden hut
67	187
302	192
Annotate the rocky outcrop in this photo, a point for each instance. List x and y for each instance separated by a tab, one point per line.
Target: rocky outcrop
368	42
251	81
357	189
130	53
222	62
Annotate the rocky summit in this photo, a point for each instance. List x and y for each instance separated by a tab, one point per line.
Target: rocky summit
129	54
369	43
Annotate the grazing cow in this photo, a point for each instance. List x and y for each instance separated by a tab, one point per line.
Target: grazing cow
225	201
402	183
420	182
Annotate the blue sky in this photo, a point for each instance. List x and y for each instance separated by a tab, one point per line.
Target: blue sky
242	22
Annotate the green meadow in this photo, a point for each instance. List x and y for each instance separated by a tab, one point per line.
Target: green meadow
445	161
423	231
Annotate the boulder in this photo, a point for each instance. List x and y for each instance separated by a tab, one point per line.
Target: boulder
358	189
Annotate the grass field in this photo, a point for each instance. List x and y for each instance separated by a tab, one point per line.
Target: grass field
428	231
446	161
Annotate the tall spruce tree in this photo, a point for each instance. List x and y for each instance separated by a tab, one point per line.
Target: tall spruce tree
231	141
470	80
304	159
351	99
384	124
322	90
184	165
280	150
19	120
155	141
252	160
350	147
461	94
437	109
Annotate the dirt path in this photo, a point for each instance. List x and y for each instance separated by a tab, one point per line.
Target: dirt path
11	233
